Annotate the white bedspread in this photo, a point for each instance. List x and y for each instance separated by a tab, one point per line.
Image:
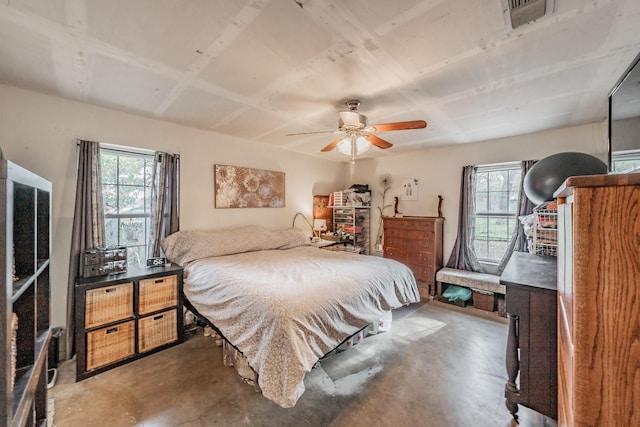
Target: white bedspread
286	308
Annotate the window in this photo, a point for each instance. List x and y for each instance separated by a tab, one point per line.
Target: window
625	161
496	202
126	191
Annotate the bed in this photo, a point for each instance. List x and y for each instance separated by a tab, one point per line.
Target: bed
281	302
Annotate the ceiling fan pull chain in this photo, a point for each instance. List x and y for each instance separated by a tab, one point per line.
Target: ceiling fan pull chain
353	149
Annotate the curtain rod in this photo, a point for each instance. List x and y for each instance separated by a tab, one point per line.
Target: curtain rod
125	149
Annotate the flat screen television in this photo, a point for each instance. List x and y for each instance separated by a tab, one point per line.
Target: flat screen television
624	112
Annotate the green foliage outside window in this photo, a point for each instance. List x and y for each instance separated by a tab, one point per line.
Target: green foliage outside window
496	206
126	191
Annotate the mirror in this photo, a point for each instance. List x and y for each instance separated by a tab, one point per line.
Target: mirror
624	112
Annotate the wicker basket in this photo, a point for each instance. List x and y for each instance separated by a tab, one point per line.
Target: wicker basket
484	300
110	344
154	331
108	304
157	294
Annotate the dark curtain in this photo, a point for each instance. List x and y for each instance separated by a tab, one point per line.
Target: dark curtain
88	225
165	215
518	242
463	256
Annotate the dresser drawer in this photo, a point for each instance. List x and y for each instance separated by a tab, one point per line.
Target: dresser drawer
415	246
110	344
395	253
108	304
426	274
157	330
425	235
158	293
394	241
408	224
396	233
409	233
427	258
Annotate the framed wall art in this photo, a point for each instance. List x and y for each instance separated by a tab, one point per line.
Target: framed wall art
240	187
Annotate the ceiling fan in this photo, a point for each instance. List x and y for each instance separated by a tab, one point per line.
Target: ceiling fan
357	136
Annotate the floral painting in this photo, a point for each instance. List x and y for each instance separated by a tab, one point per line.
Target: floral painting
239	187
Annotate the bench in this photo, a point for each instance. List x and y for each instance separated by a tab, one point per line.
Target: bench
480	283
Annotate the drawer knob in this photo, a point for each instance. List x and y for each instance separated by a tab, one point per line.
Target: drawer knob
111	330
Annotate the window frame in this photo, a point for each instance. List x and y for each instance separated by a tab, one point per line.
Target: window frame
147	155
488	214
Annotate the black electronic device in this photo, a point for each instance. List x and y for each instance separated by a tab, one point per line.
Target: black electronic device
156	262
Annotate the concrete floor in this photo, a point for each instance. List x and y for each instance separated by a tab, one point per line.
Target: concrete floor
439	365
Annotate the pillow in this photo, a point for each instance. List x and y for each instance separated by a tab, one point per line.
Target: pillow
185	246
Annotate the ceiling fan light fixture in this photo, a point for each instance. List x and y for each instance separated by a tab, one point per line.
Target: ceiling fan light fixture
362	145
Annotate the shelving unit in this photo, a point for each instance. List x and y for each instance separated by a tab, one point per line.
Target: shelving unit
125	316
25	248
352	224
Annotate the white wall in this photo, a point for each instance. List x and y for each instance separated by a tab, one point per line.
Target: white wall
439	169
39	133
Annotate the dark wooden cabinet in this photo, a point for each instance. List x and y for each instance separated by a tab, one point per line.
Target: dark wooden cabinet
122	317
598	300
416	241
25	247
532	356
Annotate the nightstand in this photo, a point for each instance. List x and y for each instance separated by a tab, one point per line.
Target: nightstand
123	317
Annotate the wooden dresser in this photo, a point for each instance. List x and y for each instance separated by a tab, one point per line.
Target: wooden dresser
599	301
416	241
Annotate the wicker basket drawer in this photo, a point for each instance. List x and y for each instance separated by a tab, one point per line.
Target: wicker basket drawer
108	304
110	344
157	330
156	294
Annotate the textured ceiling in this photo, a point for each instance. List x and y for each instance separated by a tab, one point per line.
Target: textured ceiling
261	69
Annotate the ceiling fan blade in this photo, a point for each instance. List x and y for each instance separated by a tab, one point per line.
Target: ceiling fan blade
378	142
331	145
414	124
312	133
